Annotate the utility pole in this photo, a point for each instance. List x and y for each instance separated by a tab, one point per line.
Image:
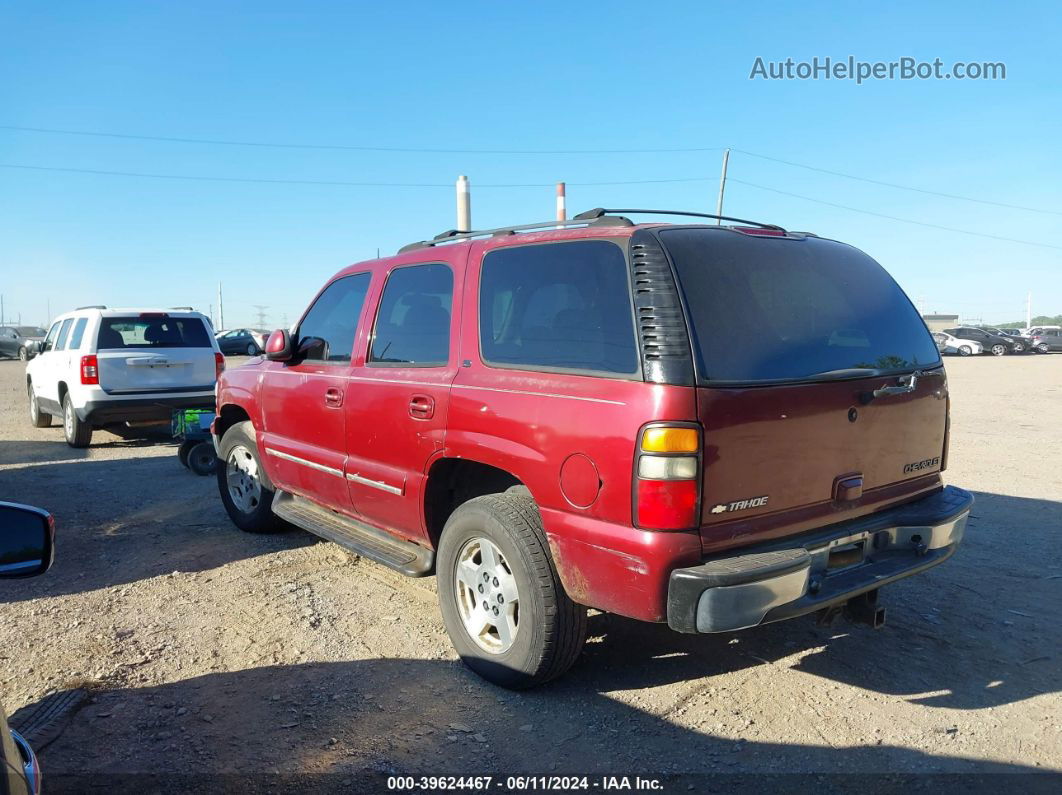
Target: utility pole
1	309
562	206
464	205
261	308
1028	311
221	311
722	186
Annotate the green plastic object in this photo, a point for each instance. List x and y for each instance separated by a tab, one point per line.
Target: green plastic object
192	423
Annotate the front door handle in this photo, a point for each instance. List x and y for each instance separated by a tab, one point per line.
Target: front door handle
333	397
422	407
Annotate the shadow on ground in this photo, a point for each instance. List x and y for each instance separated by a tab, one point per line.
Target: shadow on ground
332	726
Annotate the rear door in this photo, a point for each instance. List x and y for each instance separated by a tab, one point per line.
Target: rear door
400	391
154	352
793	432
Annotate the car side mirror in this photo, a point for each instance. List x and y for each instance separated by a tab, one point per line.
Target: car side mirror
278	346
27	537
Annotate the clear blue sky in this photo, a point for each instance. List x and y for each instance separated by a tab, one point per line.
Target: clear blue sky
504	75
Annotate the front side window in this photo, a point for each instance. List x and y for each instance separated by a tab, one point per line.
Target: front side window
149	332
53	332
64	332
413	321
326	333
558	306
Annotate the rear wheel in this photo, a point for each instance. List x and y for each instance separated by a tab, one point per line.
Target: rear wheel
502	602
1019	347
252	349
1042	347
183	450
965	350
244	486
40	419
201	458
999	349
78	433
23	355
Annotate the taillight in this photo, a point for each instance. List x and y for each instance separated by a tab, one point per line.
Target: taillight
219	365
90	370
667	477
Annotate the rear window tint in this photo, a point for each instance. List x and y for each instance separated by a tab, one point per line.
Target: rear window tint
413	322
157	332
558	306
764	310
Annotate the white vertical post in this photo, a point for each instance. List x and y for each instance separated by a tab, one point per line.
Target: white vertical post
722	186
562	206
464	205
221	311
1028	312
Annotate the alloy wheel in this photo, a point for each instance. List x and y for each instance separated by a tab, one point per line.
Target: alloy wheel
488	600
241	478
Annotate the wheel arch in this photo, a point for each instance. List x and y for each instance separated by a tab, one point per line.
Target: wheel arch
452	482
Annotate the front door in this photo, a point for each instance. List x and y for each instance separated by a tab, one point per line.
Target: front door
400	392
303	400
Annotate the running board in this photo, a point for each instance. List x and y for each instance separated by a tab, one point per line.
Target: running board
404	557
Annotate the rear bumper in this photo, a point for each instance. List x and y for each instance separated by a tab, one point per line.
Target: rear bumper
796	576
142	409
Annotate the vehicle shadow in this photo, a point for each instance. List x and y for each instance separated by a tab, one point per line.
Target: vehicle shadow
52	448
347	726
122	520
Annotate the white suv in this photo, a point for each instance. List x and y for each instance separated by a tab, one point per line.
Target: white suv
100	366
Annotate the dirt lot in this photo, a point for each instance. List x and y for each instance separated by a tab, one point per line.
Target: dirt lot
210	651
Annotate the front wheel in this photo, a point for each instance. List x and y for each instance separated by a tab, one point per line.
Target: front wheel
245	489
999	350
23	355
965	350
1019	347
77	433
502	602
252	349
1042	347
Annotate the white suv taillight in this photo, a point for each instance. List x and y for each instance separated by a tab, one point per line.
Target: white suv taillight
90	371
219	365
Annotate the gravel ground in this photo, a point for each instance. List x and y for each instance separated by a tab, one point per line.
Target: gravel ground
210	652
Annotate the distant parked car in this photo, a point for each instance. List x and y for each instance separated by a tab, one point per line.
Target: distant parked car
240	342
993	343
949	344
1048	341
1011	332
1039	330
20	341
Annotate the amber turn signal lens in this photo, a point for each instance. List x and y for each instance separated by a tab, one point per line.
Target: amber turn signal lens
671	440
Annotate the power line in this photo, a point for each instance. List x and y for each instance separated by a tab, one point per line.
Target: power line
898	186
348	148
896	218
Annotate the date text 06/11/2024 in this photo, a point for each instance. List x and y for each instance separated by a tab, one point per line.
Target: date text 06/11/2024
522	783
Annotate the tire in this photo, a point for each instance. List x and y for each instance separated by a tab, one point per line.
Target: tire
999	350
38	418
249	502
78	433
252	349
23	355
183	450
201	459
545	629
1042	347
1019	347
965	350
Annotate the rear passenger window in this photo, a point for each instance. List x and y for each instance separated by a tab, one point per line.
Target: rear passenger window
326	333
79	333
558	306
64	332
413	322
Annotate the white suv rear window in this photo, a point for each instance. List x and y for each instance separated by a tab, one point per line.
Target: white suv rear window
152	332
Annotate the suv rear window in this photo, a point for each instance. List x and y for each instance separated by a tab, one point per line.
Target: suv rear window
558	306
155	332
768	310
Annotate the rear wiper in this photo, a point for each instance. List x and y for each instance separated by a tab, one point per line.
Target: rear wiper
901	387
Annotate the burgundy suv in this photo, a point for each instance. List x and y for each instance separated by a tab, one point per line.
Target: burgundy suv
561	416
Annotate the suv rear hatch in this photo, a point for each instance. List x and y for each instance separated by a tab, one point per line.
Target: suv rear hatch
792	335
155	352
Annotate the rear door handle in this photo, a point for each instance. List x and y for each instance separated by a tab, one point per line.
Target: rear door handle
422	407
333	397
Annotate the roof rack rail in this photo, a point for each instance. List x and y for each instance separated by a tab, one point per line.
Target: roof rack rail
601	212
93	306
183	308
453	235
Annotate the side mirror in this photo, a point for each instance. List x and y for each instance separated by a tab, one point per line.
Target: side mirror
27	537
278	346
